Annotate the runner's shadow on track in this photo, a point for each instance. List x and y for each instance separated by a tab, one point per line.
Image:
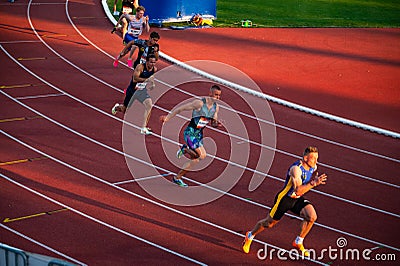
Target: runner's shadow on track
36	185
42	33
211	37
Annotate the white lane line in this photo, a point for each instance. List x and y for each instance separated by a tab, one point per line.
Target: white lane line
284	152
41	244
247	115
40	96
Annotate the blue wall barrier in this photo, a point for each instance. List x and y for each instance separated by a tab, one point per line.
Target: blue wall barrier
178	10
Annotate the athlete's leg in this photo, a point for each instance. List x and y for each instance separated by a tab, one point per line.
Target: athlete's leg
124	27
148	104
309	216
133	49
123	52
115	6
128	97
188	165
268	222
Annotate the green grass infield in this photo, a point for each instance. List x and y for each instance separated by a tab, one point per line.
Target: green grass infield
306	13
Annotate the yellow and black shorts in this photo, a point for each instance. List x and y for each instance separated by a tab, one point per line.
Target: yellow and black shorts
287	203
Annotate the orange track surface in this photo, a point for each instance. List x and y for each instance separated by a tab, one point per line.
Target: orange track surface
352	73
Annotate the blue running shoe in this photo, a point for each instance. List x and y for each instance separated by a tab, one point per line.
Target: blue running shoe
181	151
179	182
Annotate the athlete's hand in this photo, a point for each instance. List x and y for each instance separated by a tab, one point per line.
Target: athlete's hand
150	83
215	123
150	79
163	119
319	180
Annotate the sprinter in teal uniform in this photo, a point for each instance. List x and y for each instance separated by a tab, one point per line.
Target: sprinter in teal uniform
204	111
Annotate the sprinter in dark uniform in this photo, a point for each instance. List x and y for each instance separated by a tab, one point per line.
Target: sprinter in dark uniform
146	47
204	111
144	50
142	80
301	176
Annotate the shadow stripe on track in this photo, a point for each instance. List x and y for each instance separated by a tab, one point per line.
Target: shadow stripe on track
266	96
283	152
267	122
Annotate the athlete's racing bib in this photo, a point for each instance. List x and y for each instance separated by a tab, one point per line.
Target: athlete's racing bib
134	32
141	86
202	122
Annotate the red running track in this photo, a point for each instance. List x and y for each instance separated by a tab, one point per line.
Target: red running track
75	148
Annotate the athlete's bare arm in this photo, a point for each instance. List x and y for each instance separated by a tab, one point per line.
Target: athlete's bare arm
194	105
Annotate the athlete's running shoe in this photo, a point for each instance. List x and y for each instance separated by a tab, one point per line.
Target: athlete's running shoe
145	131
115	63
179	182
116	13
114	109
181	151
130	63
301	248
247	242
